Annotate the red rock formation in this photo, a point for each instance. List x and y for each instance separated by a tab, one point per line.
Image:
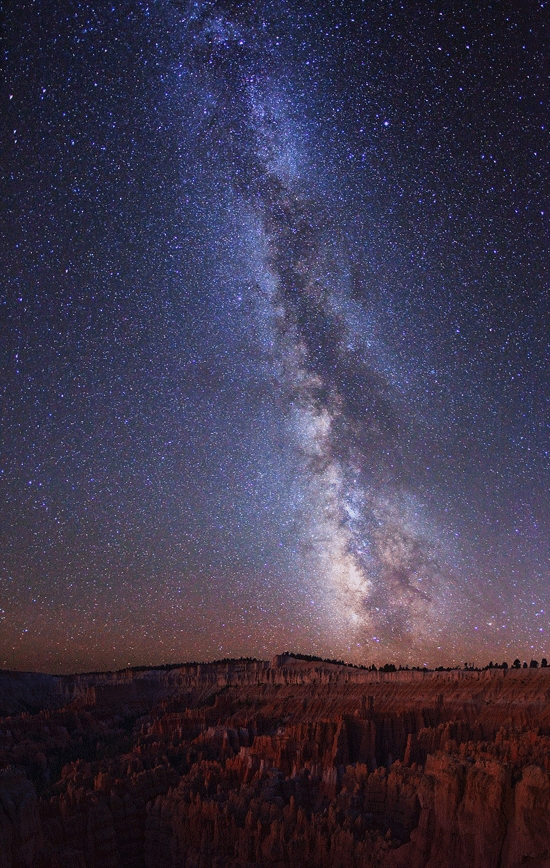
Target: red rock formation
245	765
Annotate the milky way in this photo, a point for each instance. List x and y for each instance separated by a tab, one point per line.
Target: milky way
383	577
276	334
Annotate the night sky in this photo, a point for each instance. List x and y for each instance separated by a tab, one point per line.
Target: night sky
274	332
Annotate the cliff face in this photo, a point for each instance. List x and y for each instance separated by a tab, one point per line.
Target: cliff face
245	765
28	691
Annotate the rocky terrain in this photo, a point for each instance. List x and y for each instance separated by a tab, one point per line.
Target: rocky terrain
247	764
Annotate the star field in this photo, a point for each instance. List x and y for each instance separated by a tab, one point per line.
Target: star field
274	332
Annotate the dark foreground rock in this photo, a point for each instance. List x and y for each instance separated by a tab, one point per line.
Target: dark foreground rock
251	765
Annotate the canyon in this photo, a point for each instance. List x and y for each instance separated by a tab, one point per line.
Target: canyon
255	764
